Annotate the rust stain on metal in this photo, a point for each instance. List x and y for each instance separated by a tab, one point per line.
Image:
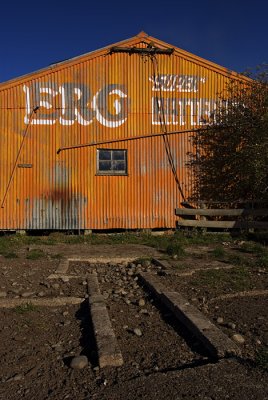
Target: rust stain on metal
110	98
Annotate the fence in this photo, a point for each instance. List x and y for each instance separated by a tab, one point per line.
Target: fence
222	218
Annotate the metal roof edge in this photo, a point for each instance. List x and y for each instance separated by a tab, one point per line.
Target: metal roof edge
132	40
71	60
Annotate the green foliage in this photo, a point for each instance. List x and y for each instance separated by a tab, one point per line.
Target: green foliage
10	254
251	247
175	249
218	252
236	259
35	254
143	260
57	256
236	279
231	157
262	261
25	307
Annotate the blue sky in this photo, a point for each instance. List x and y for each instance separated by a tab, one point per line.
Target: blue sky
35	34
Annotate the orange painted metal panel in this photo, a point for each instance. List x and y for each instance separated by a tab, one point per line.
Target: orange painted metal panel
96	97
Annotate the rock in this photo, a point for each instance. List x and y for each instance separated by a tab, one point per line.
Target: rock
141	302
194	300
79	362
144	311
41	294
16	291
137	332
65	313
17	377
55	286
220	320
27	294
65	279
258	341
231	325
58	348
3	294
238	338
146	263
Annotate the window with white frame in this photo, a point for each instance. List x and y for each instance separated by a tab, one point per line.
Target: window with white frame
111	162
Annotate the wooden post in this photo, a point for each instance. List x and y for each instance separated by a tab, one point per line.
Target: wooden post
203	217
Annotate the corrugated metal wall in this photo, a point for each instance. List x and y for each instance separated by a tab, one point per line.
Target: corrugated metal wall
96	97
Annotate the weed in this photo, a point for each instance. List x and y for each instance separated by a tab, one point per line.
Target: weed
181	267
236	279
236	259
175	249
261	358
10	254
57	256
35	254
262	261
25	307
218	252
143	260
255	248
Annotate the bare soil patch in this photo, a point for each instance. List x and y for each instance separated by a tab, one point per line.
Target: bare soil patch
161	359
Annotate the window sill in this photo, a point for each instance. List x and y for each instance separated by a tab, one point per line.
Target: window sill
110	174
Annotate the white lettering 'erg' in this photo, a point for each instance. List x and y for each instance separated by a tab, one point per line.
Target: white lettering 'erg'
73	103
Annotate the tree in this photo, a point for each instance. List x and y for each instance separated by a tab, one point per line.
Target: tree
231	158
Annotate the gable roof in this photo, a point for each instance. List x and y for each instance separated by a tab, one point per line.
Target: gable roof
141	37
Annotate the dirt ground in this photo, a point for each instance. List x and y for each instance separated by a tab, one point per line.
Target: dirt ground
161	359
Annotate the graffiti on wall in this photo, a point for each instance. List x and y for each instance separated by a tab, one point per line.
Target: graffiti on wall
71	103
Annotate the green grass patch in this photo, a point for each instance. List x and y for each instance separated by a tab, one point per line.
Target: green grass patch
237	259
10	254
35	254
175	249
218	252
57	256
262	261
235	279
254	248
25	308
143	260
261	358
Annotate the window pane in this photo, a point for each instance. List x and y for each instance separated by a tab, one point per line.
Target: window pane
105	154
105	166
118	155
119	166
112	162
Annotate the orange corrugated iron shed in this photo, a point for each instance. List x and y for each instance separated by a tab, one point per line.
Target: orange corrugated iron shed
120	101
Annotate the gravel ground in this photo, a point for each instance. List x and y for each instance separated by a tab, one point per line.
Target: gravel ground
161	359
